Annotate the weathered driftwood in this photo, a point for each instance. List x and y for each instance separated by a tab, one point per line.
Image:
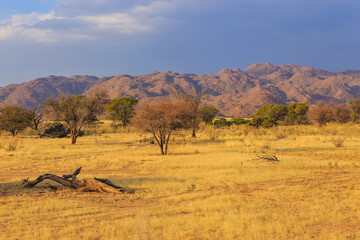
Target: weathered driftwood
84	185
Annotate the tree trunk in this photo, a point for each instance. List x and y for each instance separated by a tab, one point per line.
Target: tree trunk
124	121
160	143
193	133
166	144
36	125
13	132
73	139
162	148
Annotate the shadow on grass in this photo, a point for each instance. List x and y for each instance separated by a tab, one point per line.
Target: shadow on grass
304	149
127	182
16	189
175	154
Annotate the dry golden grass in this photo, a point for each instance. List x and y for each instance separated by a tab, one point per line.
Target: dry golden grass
204	189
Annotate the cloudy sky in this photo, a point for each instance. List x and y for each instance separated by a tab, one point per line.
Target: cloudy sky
111	37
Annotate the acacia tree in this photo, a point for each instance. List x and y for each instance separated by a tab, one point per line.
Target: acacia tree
208	113
121	109
14	118
354	105
76	111
162	118
342	113
37	115
269	115
323	113
297	114
194	102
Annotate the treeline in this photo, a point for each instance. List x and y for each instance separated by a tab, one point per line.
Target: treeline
74	112
318	114
70	114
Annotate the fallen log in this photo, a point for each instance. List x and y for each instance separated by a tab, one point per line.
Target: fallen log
84	185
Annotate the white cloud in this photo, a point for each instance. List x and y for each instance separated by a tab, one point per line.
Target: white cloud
87	19
118	22
155	8
22	25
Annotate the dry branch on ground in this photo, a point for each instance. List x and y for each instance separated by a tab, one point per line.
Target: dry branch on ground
84	185
266	158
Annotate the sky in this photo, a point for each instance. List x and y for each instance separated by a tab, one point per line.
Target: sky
112	37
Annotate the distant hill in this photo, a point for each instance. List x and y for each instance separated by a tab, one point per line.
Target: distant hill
234	92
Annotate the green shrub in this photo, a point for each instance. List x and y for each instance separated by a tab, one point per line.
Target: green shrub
222	122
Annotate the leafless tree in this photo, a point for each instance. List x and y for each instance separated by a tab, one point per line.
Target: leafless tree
37	115
323	113
342	113
162	118
194	102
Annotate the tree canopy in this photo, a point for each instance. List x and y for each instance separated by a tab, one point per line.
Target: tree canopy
194	101
15	118
162	118
354	105
272	114
208	113
37	115
76	111
121	109
297	114
325	112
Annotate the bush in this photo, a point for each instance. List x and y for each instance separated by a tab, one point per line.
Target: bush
256	121
280	132
323	113
14	118
57	130
342	113
272	115
338	141
121	110
354	105
239	121
212	133
297	114
222	122
268	123
12	145
208	113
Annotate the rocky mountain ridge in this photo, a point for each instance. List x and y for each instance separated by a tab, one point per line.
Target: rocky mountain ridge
233	91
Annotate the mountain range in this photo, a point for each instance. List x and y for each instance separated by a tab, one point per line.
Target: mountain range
233	91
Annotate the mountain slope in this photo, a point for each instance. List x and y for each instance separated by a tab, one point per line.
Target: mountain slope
234	92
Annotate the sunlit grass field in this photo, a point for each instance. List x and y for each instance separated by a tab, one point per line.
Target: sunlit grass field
210	187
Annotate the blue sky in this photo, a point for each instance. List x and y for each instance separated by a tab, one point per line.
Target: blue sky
111	37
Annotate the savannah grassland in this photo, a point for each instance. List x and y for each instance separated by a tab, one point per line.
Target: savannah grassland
204	189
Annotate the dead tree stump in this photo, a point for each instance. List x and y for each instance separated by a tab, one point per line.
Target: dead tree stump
84	185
